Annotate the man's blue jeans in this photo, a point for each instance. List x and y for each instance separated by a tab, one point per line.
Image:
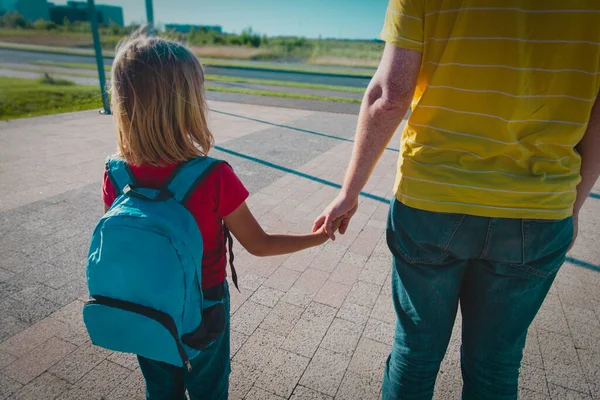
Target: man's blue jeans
500	271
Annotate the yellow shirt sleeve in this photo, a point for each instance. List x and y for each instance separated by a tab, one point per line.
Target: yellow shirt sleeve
403	26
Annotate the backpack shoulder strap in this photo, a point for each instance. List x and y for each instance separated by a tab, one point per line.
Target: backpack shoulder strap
119	173
186	178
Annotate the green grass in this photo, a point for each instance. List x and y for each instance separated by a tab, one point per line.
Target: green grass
220	78
232	79
91	67
21	98
281	94
288	68
232	64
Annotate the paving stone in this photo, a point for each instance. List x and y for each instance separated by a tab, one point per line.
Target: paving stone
366	241
590	362
298	297
384	308
98	383
342	337
304	393
570	376
27	368
369	359
31	311
282	318
66	294
259	349
248	317
354	259
571	297
266	266
380	331
282	374
250	281
532	354
8	386
242	379
551	317
364	294
332	294
375	271
327	260
300	261
556	349
561	393
74	366
237	341
527	394
282	279
10	326
6	359
534	379
325	371
311	280
267	296
346	273
132	388
305	337
236	299
354	313
126	360
45	386
259	394
5	275
355	386
30	338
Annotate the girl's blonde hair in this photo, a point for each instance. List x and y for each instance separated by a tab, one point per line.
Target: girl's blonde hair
158	102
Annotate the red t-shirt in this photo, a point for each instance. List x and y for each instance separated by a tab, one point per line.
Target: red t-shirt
218	195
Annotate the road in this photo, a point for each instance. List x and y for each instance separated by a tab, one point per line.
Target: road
25	57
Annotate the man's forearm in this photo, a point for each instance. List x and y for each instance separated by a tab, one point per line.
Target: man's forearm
377	123
589	149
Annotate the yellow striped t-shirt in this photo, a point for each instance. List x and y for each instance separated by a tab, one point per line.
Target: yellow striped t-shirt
504	94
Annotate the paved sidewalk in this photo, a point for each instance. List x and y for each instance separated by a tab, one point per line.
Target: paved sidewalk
314	325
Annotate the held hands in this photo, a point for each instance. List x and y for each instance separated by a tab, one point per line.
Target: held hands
336	215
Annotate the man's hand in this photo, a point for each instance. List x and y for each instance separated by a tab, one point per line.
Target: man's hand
339	211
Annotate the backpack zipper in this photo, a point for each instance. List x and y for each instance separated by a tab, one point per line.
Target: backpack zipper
161	317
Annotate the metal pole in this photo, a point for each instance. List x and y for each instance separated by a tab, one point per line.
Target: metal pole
150	17
99	59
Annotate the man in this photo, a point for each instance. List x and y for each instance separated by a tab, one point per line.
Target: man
500	152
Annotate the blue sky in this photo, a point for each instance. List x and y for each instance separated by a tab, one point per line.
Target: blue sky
351	19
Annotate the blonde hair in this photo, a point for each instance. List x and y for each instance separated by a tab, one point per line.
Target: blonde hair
158	102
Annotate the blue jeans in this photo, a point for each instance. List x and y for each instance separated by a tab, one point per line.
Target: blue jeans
498	269
208	379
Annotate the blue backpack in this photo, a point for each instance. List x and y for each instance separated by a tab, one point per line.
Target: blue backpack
144	270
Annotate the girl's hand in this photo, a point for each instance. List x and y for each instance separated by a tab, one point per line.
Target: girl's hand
335	227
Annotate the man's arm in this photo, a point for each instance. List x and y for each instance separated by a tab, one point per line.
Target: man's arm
384	105
589	149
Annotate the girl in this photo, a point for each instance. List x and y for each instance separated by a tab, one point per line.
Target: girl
160	116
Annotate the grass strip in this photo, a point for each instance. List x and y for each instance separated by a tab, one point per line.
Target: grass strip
21	98
269	93
232	79
91	67
222	78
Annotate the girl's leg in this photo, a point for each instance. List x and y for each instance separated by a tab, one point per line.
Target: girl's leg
209	378
163	381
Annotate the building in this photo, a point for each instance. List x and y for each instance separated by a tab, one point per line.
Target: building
186	28
78	11
31	10
111	14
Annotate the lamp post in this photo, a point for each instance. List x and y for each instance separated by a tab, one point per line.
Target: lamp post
150	17
99	59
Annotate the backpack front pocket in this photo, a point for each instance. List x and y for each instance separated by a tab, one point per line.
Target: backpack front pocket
210	329
132	328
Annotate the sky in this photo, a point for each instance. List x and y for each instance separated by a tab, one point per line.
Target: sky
348	19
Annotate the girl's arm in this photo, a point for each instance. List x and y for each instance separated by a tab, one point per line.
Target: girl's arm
251	235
